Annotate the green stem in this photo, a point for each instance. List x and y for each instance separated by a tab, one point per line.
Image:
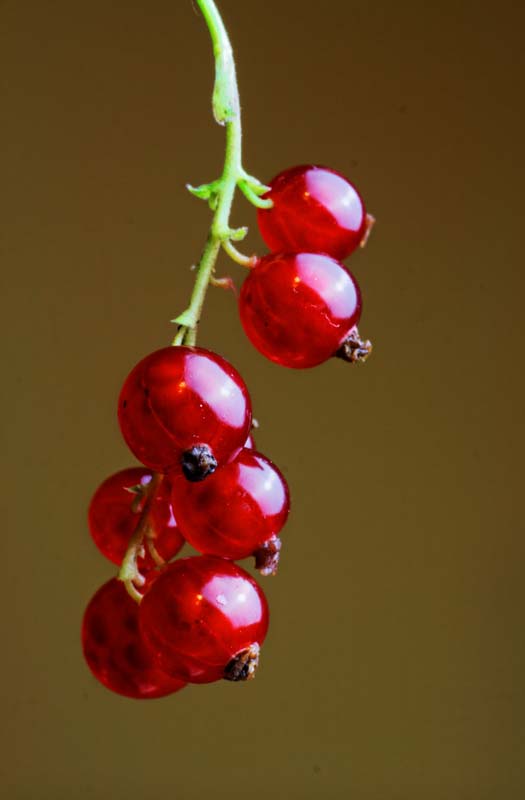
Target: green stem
220	193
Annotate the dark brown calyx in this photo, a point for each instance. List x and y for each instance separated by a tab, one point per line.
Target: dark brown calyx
242	667
198	463
267	556
354	349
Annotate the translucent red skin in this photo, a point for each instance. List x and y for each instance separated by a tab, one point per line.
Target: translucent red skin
112	520
200	613
297	308
235	510
179	397
114	651
315	210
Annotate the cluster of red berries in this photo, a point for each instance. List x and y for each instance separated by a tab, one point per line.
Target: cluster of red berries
299	305
185	413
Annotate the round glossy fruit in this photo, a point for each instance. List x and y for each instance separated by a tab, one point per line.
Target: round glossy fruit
297	309
314	210
114	513
114	650
184	408
235	511
204	619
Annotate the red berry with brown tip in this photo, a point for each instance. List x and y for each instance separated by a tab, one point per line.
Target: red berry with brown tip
298	308
315	210
236	511
113	648
204	619
184	408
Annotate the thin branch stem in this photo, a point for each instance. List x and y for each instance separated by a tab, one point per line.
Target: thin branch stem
239	258
129	572
220	193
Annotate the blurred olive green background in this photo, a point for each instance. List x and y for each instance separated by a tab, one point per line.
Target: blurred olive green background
394	667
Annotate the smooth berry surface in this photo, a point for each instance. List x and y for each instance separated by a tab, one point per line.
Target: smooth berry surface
315	210
199	614
236	510
114	512
297	309
113	648
179	398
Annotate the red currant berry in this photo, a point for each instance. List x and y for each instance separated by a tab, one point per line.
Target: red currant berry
297	309
114	513
114	651
184	407
204	619
236	511
315	210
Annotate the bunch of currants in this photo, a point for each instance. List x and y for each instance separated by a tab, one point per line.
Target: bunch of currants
185	414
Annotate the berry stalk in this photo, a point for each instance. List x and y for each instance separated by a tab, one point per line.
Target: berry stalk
129	572
220	193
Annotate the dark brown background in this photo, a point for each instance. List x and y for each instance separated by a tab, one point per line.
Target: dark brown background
394	666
